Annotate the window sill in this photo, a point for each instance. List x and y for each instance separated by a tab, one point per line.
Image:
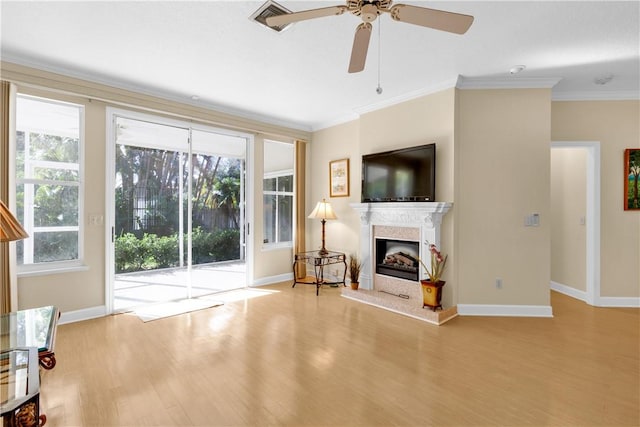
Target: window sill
276	246
52	270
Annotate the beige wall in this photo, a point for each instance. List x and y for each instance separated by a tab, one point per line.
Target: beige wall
416	122
335	143
568	216
493	164
503	141
616	125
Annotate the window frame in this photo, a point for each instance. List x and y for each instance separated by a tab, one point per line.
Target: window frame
48	267
278	193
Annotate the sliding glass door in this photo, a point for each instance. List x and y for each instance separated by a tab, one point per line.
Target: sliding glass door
178	222
217	217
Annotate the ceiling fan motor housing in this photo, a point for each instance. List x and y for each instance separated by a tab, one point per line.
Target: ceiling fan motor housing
368	10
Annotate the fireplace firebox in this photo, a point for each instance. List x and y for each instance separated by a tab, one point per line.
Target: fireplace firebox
397	258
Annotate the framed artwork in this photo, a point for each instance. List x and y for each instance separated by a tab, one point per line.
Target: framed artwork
339	178
631	181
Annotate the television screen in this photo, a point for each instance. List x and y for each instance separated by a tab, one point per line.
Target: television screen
406	175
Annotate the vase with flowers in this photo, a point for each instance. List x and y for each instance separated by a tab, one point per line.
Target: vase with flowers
432	285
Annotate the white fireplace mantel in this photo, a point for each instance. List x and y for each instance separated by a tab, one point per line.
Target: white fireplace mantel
427	216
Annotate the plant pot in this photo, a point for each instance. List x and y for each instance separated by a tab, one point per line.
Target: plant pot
432	294
354	285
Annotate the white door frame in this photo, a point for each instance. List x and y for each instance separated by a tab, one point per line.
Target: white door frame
592	294
111	113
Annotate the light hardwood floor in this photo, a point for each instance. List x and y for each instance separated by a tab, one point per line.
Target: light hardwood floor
291	358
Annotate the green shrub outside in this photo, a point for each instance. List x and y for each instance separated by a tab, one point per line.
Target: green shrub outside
151	252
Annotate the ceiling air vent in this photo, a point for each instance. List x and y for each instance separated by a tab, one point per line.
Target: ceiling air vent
270	8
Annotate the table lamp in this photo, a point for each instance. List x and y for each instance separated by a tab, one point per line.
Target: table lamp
324	212
10	228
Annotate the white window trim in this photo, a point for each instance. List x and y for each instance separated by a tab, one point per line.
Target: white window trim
46	268
276	174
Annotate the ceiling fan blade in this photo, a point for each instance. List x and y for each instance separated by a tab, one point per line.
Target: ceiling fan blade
360	47
438	19
288	18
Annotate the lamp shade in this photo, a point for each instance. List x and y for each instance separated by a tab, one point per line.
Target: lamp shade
323	210
10	228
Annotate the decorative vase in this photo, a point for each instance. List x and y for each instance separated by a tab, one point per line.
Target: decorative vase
432	294
354	285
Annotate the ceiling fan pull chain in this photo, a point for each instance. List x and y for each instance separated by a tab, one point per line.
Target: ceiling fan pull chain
379	88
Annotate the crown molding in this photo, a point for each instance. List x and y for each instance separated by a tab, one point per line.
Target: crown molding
507	82
429	90
609	95
358	111
335	122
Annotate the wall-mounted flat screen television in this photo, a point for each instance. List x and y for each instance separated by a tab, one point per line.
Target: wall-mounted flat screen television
405	175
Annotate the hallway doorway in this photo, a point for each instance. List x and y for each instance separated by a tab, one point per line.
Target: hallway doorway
572	163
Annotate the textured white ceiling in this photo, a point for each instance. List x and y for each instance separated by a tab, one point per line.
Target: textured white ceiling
299	77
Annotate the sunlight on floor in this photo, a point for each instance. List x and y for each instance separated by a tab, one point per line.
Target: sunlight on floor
172	308
137	289
240	294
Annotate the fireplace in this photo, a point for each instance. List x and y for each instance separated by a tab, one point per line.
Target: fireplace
405	221
397	231
397	258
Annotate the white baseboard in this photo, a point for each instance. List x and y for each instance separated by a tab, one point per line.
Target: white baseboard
263	281
82	314
629	302
569	291
505	310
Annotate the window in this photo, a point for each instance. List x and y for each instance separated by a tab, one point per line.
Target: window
49	181
278	193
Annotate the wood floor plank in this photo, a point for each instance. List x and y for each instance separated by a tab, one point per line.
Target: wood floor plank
293	359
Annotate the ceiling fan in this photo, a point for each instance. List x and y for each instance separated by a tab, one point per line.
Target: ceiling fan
368	11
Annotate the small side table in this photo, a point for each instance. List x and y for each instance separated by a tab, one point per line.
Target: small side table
319	262
34	327
20	388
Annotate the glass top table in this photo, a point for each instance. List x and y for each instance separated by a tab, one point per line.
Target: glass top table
34	327
19	379
319	261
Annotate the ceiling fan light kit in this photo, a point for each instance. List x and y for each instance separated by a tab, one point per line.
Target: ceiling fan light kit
517	69
368	11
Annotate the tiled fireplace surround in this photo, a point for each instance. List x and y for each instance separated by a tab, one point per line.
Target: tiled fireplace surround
409	221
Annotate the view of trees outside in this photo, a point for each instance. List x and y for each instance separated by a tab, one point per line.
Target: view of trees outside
149	183
48	180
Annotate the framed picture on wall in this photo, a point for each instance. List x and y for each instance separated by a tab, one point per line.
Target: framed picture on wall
631	179
339	178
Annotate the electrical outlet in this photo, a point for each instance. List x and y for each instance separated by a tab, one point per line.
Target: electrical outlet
498	283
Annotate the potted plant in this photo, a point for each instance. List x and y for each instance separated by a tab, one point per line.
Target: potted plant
432	286
355	266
